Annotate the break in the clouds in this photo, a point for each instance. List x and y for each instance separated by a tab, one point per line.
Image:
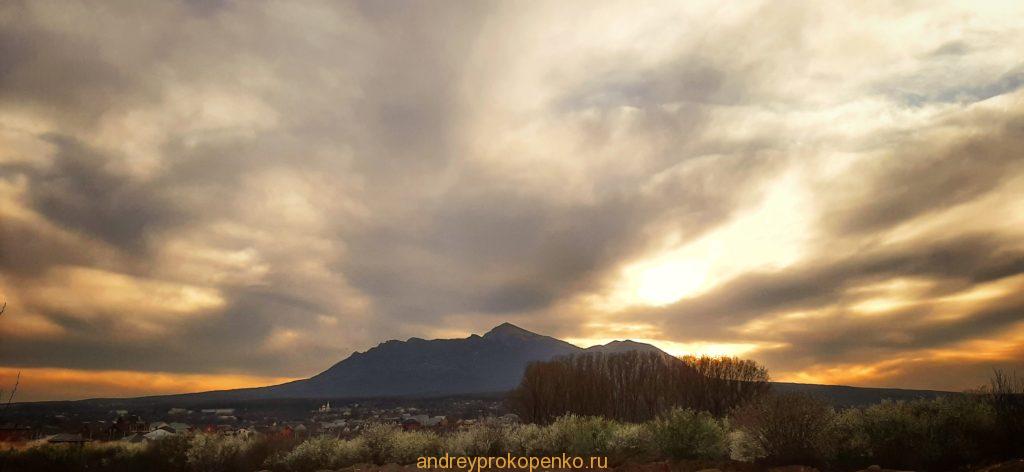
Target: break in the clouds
213	194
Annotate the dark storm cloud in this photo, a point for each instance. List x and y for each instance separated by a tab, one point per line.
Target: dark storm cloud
60	73
231	339
863	339
80	191
923	177
28	250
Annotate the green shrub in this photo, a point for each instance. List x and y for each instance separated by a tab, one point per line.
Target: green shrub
266	450
742	447
166	455
851	446
412	445
787	429
524	439
895	436
686	434
94	456
629	440
578	435
380	441
211	453
481	439
322	453
923	433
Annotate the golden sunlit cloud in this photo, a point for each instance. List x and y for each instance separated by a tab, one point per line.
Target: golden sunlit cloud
962	365
770	236
92	292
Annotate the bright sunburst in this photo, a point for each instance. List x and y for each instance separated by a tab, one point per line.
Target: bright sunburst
664	282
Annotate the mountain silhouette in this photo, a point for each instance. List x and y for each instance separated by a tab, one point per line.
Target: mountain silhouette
493	362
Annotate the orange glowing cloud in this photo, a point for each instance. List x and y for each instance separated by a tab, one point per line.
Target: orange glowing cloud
40	384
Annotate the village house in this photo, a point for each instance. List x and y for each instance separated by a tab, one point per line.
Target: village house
127	425
73	439
415	422
158	434
134	438
13	433
180	428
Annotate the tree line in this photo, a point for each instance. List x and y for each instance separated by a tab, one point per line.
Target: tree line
635	386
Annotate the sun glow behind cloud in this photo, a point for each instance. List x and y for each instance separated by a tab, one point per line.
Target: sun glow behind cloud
772	235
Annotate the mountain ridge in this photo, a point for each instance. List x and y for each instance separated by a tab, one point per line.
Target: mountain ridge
477	364
492	362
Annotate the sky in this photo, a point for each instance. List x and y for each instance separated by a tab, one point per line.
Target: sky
199	194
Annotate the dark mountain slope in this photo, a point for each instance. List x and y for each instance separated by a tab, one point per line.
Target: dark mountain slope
622	346
843	396
489	363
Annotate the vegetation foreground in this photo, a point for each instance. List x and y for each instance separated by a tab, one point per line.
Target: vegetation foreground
945	434
635	409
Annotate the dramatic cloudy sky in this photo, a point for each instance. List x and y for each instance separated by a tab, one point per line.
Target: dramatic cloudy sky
202	195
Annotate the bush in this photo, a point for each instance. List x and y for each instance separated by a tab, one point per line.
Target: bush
265	450
579	435
742	447
166	455
94	456
788	429
1005	394
207	453
686	434
851	445
628	441
323	453
380	442
481	439
929	434
524	439
408	446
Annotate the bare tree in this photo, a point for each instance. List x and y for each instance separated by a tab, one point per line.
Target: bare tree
629	386
727	382
789	428
14	390
635	386
17	380
1006	394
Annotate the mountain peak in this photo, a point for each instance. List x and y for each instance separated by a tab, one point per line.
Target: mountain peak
509	330
623	346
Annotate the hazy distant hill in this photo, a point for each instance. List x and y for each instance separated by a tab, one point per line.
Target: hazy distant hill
844	396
